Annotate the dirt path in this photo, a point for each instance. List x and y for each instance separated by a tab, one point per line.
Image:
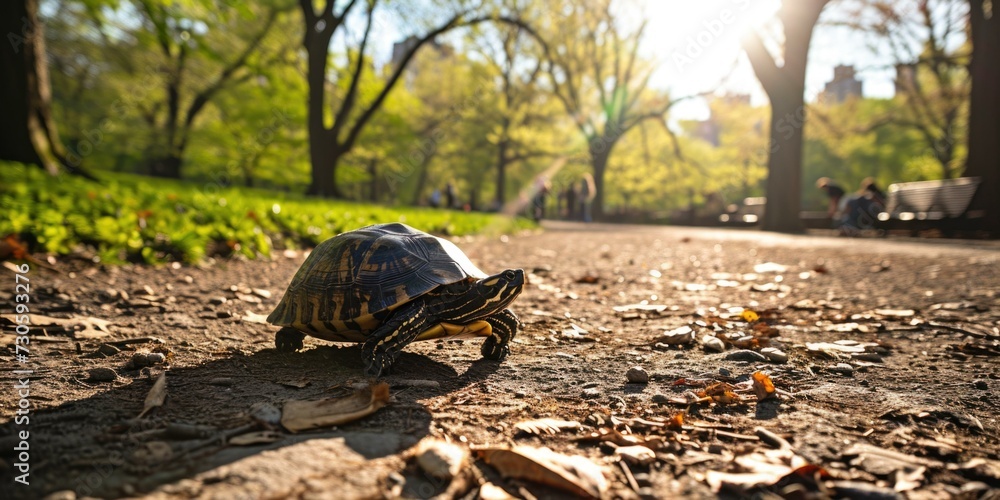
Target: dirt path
908	404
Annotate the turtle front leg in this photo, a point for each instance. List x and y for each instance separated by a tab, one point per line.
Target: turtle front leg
504	325
385	343
288	339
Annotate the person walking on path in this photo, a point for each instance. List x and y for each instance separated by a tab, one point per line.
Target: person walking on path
588	191
449	195
571	201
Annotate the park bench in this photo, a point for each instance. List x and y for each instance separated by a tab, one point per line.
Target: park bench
748	213
925	205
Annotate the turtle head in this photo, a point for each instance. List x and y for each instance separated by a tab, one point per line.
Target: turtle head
485	297
501	289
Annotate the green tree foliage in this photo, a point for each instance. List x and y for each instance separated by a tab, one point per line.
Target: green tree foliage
927	40
598	75
143	72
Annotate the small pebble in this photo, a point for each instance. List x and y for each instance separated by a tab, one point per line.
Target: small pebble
636	375
591	393
102	375
842	368
713	344
224	314
440	459
143	359
215	301
636	455
661	399
265	413
746	355
982	385
108	350
774	354
588	385
260	292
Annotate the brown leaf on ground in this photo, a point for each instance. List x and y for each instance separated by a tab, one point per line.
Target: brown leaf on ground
301	415
574	474
546	426
156	396
11	246
82	327
763	387
721	393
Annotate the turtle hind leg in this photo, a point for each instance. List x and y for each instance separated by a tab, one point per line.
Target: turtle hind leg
288	339
504	325
385	343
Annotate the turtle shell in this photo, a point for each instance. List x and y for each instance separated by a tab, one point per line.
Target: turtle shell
349	283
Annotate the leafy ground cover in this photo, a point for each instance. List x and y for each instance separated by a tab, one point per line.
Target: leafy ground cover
132	218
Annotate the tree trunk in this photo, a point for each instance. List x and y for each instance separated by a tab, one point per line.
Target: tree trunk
784	165
422	174
785	86
27	132
984	113
501	194
323	154
325	157
168	166
600	152
373	183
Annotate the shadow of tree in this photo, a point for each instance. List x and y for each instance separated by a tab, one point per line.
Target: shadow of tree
96	446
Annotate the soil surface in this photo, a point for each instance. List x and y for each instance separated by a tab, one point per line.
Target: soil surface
905	405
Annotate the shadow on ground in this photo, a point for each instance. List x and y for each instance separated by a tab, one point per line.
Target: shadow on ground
98	447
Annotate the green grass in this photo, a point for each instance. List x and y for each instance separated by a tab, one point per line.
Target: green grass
141	219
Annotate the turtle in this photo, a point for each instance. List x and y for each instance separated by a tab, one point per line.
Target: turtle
387	285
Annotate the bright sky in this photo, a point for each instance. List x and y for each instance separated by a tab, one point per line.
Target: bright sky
697	45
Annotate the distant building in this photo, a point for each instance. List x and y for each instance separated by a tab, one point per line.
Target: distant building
399	49
708	130
906	78
843	85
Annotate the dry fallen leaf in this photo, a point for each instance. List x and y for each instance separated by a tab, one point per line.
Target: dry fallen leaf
82	327
490	491
895	313
636	455
641	307
721	393
574	474
157	395
11	246
763	387
682	335
610	435
769	267
252	317
301	415
546	426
